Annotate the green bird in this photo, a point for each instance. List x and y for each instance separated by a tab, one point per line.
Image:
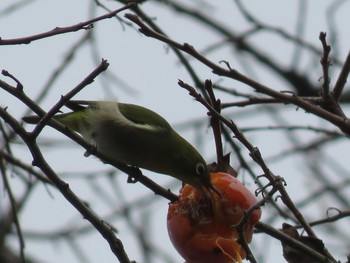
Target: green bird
136	136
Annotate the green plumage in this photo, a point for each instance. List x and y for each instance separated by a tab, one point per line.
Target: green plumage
137	136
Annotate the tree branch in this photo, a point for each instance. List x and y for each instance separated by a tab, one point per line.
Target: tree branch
87	25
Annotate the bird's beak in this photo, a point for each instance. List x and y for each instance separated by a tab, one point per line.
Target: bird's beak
210	188
207	192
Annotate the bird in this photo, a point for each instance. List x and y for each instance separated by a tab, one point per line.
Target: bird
136	136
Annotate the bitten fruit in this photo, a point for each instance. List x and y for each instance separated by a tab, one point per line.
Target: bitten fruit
204	231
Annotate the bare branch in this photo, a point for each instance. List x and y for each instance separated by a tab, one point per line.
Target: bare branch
342	79
87	25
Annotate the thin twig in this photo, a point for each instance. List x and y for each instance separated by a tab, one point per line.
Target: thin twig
329	102
341	81
66	61
252	100
13	210
293	242
8	74
64	99
87	25
27	168
329	219
215	123
325	62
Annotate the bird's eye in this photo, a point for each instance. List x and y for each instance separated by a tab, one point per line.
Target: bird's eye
200	168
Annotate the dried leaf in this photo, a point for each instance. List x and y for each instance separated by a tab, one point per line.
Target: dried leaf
293	255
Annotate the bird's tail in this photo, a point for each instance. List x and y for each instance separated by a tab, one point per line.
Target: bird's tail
72	120
31	119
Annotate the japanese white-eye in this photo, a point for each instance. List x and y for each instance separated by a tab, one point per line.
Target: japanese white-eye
136	136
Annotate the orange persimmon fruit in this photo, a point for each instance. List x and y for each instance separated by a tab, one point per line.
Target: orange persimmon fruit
205	232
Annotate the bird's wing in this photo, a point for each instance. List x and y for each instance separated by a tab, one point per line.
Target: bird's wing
139	115
78	105
143	116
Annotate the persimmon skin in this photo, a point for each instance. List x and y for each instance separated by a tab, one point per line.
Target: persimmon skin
205	232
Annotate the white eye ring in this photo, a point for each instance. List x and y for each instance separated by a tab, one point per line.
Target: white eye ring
200	168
